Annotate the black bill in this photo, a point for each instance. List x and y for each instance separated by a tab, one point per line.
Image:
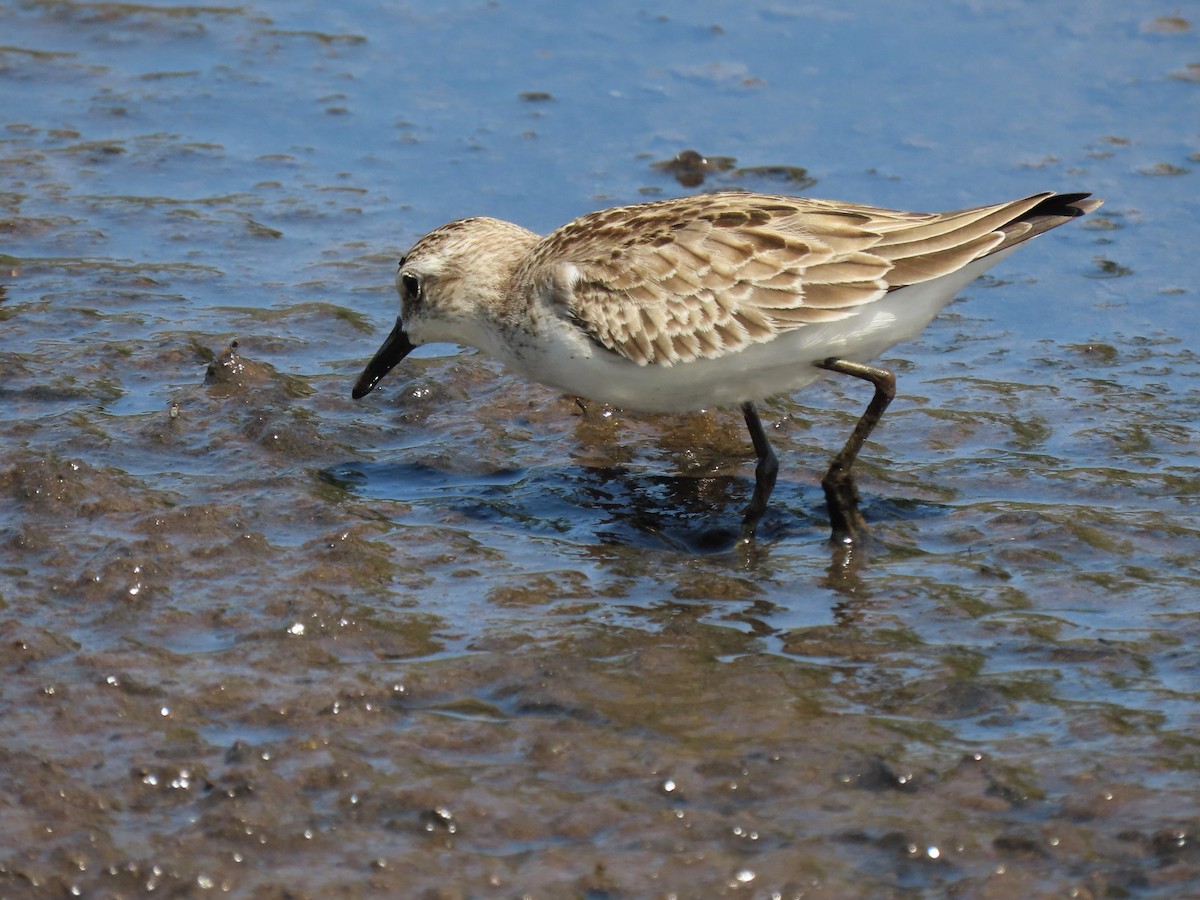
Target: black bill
395	348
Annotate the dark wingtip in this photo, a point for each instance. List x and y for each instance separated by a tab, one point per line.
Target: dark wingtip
1066	205
1086	205
1049	212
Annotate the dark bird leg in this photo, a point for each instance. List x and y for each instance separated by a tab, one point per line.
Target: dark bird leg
764	472
841	496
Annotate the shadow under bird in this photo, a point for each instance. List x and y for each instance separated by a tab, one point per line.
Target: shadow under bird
717	299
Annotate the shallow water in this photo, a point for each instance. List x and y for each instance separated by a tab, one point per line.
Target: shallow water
465	638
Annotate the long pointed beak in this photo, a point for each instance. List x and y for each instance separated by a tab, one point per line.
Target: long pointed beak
395	348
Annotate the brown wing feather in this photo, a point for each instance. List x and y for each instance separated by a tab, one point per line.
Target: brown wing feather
676	280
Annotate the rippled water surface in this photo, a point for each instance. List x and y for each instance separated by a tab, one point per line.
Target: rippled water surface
465	638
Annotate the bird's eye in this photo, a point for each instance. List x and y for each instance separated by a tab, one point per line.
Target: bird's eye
411	285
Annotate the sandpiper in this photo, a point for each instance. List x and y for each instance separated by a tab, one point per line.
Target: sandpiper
718	299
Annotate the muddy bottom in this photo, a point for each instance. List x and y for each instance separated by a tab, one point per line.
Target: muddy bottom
491	657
